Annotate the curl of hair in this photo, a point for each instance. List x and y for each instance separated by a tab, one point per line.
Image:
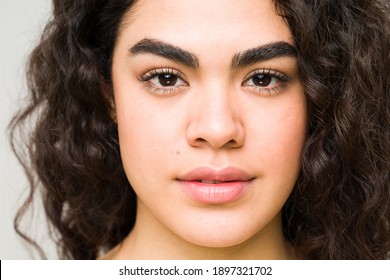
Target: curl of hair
74	146
339	208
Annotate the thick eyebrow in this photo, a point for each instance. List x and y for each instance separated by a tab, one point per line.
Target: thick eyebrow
263	53
248	57
165	50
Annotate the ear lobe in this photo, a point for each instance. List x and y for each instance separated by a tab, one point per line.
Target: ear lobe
106	88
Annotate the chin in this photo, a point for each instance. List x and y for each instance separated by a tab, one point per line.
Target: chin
223	231
219	236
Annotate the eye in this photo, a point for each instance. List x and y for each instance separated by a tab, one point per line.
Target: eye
163	81
262	80
266	81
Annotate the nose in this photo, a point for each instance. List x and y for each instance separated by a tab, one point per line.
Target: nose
215	121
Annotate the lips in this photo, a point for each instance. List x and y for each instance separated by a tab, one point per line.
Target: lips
209	186
211	181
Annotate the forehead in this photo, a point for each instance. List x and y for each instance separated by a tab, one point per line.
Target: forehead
202	25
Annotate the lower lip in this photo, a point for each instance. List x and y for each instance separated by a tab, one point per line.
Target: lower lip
220	193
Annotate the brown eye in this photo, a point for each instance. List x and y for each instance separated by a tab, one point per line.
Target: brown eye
167	80
261	80
163	81
266	81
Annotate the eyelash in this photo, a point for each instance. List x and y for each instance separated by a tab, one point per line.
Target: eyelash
148	76
281	78
275	76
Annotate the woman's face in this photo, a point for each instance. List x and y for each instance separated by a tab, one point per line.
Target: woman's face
211	117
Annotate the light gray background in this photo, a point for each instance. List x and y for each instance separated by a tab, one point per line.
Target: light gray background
20	24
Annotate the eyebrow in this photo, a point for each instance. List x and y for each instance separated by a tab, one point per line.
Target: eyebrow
248	57
263	53
166	50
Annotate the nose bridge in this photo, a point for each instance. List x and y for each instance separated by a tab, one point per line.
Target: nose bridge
215	118
219	110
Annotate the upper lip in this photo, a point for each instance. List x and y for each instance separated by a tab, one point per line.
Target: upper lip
228	174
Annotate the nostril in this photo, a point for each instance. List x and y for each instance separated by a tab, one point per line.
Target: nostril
200	140
232	144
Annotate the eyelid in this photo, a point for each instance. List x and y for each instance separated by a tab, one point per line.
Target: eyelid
160	71
147	76
280	76
268	71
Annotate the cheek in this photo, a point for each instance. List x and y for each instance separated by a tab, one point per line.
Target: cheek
286	135
276	153
287	132
147	138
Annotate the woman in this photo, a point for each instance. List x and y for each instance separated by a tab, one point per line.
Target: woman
212	129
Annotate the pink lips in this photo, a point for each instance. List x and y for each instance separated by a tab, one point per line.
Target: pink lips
209	186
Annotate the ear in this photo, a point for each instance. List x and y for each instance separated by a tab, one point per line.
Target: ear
106	88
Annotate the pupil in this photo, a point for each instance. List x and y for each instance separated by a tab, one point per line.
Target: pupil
167	79
262	80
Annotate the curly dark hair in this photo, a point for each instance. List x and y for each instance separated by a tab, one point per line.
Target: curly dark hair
340	206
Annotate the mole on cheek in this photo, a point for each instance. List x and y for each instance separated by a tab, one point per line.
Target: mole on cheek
178	152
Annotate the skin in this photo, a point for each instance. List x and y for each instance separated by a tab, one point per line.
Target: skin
212	117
